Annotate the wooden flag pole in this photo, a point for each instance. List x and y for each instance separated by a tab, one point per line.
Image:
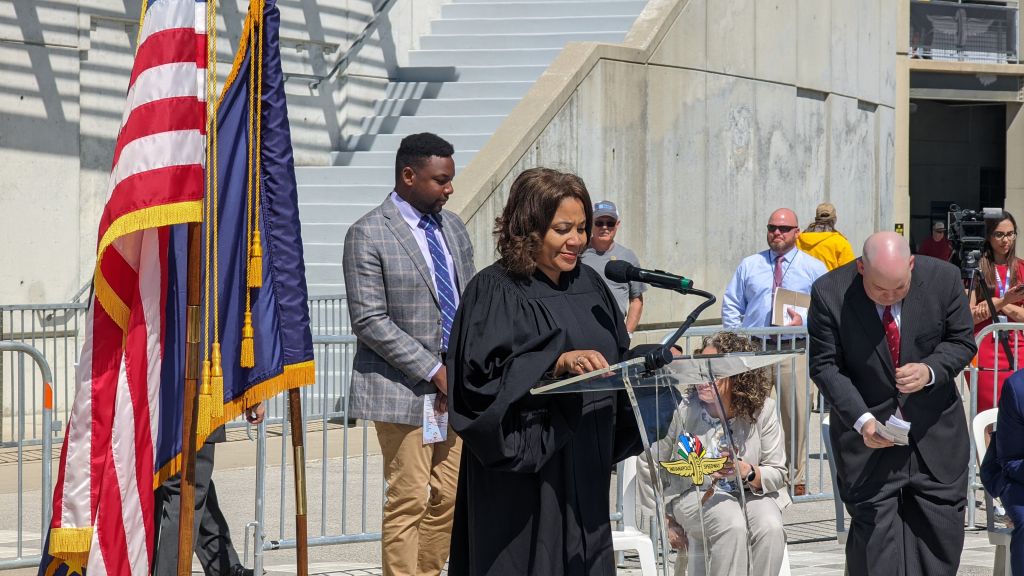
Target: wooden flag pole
299	463
186	500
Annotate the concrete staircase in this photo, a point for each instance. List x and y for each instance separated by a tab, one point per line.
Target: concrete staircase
478	61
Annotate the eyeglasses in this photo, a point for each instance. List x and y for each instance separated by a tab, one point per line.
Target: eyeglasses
604	224
783	229
1006	235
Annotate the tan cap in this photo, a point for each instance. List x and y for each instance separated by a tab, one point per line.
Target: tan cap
825	211
939	226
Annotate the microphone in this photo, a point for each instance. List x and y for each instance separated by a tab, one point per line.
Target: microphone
622	271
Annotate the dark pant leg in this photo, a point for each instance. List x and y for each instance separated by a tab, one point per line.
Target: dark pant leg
933	512
165	561
875	541
1013	500
213	546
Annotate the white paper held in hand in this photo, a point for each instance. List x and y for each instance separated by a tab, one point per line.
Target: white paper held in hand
895	430
435	424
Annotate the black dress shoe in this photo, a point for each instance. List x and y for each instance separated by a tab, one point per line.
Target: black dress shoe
239	570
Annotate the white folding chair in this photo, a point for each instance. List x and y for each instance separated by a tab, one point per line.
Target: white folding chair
631	537
998	537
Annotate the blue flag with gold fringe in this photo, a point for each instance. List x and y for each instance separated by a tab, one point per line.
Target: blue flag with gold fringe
255	327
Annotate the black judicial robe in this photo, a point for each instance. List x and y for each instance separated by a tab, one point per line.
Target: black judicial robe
533	494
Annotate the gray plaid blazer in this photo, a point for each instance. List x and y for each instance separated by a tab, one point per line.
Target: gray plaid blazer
394	311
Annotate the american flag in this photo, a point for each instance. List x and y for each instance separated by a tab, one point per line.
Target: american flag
103	499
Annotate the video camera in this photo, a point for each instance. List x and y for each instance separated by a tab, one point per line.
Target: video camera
967	234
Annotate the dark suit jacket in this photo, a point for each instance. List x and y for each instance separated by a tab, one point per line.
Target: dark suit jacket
850	363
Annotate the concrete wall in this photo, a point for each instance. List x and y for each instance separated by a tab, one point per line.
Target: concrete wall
712	115
64	69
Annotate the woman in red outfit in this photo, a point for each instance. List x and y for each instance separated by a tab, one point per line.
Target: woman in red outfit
1004	275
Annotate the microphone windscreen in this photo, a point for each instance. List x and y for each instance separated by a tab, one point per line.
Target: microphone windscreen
617	270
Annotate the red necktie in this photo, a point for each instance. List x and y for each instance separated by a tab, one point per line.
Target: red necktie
778	272
892	335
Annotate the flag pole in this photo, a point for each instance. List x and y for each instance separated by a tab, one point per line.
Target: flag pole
299	463
186	499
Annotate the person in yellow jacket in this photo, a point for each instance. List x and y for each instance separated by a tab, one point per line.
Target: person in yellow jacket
822	241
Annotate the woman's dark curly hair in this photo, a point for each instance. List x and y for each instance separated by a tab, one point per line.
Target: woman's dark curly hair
750	389
532	203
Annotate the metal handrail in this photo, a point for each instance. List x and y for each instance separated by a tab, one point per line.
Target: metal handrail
342	64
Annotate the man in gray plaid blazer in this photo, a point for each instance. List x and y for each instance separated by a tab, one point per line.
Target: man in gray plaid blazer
405	264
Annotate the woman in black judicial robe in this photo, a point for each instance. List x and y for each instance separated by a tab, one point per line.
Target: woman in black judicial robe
533	495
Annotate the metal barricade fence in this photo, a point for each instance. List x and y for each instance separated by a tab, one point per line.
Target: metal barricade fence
326	416
23	443
817	476
56	332
986	365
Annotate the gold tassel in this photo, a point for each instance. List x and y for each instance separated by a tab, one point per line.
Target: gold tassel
217	382
255	261
248	359
71	543
205	404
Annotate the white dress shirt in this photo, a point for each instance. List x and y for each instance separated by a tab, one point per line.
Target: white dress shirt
412	217
897	310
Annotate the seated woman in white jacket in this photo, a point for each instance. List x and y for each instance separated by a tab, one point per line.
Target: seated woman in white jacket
710	522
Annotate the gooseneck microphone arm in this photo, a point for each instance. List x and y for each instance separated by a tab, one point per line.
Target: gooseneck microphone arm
622	271
663	354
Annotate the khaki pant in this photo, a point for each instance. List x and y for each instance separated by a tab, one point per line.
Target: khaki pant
792	391
721	523
420	499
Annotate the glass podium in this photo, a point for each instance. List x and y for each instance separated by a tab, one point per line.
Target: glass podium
685	475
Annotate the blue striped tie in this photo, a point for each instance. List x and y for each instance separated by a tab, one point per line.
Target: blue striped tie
442	279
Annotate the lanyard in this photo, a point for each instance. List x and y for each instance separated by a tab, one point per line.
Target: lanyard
999	281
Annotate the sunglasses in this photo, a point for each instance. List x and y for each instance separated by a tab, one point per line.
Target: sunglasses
604	224
783	229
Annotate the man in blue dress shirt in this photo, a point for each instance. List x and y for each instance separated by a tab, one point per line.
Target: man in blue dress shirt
748	304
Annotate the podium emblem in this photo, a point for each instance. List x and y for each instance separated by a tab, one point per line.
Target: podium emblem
695	463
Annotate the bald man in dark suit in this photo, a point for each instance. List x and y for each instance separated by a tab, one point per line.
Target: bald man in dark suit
888	335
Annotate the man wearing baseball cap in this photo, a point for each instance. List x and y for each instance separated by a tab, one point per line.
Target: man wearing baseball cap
936	245
823	241
603	249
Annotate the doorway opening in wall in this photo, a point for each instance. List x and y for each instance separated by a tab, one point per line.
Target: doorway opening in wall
957	156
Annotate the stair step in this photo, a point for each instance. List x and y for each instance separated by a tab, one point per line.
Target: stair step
340	159
506	41
334	212
346	175
325	273
577	2
510	89
541	9
321	233
495	58
436	124
528	25
345	193
323	251
444	107
502	71
390	142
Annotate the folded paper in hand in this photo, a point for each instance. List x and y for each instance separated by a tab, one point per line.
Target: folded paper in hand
435	424
895	430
